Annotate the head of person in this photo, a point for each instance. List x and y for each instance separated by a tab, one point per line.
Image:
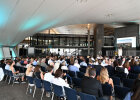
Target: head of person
136	63
58	73
37	68
126	64
43	60
120	62
50	69
72	62
136	90
104	75
29	69
132	63
99	61
90	61
92	72
87	71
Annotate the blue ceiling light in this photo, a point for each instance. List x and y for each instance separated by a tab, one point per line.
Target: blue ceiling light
31	23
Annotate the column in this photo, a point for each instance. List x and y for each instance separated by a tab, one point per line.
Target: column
88	42
98	39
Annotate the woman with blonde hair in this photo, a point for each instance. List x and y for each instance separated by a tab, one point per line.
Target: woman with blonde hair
104	78
29	71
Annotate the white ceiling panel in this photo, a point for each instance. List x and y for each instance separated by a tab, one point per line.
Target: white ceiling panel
22	18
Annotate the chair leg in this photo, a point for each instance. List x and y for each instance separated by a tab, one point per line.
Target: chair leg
6	78
52	96
34	92
13	81
27	89
9	80
42	94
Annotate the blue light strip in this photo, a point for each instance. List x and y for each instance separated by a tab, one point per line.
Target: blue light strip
13	53
1	54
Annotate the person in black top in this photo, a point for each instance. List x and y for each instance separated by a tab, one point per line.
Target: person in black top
91	85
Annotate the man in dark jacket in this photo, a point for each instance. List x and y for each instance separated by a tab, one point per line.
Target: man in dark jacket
92	86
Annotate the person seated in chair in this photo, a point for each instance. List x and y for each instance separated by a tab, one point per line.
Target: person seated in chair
16	73
104	78
91	85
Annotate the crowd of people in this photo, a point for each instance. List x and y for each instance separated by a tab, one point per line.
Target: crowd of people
96	74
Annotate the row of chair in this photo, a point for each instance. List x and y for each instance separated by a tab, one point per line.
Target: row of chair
69	93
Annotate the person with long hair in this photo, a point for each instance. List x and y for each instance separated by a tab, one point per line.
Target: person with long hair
127	65
134	94
104	78
29	71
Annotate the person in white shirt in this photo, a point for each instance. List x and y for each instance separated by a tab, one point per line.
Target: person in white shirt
7	67
83	63
58	79
76	64
48	76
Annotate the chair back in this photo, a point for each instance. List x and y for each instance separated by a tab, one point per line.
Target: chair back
116	80
107	89
80	74
132	76
69	79
30	79
82	70
121	92
72	73
71	94
38	83
76	82
84	96
58	90
43	69
47	86
128	82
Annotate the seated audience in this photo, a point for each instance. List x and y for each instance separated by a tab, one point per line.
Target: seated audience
91	85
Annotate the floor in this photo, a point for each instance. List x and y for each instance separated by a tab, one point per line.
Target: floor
17	92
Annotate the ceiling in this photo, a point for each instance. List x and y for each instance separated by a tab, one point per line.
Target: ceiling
23	18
